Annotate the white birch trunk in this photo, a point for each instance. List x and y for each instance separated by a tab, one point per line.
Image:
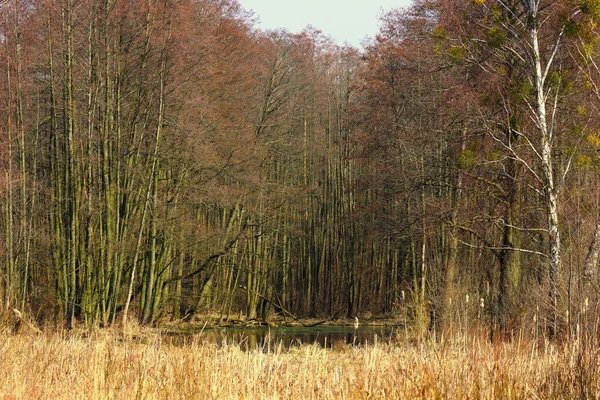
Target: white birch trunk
550	190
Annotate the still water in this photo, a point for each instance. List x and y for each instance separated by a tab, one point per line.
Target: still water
270	338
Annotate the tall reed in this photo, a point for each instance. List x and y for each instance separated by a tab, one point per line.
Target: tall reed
105	366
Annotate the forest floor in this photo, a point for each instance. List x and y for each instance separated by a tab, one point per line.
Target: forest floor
107	364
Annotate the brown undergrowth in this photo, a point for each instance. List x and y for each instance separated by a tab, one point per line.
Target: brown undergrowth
106	365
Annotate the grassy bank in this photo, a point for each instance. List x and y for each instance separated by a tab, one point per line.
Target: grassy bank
106	366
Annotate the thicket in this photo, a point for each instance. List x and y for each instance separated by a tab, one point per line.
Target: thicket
163	159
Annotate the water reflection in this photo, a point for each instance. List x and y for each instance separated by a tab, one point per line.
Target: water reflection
269	338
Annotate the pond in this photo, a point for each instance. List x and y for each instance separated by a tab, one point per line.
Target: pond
270	338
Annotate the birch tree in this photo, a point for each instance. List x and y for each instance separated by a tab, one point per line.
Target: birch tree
535	34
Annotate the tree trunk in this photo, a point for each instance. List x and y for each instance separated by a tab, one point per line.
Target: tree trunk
550	191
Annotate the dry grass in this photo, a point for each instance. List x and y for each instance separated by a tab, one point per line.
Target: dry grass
104	366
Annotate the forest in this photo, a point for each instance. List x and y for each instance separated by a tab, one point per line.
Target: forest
162	159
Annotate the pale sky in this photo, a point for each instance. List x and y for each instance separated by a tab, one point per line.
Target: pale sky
344	20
